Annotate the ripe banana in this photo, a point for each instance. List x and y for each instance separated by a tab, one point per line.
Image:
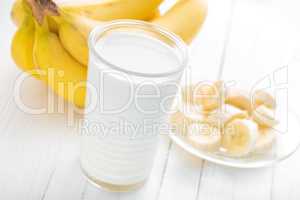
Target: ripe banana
231	113
184	18
204	137
70	31
22	45
18	13
108	10
264	116
181	121
239	137
265	141
116	9
238	98
221	117
261	97
76	28
68	34
241	134
63	74
208	96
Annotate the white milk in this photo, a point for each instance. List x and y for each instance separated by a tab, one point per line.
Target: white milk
120	134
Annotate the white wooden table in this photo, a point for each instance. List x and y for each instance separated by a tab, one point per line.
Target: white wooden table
39	153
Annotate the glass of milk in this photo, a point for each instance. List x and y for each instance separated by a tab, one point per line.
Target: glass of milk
134	71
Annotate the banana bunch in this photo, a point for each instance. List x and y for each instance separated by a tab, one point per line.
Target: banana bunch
235	125
51	40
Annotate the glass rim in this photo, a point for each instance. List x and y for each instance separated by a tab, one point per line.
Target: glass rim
180	44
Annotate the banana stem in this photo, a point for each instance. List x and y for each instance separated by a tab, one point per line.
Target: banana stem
41	28
42	8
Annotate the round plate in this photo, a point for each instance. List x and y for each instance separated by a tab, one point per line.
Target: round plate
287	142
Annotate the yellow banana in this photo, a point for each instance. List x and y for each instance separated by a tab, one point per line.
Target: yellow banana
108	10
53	25
156	14
117	9
68	34
18	13
184	18
62	73
22	45
56	54
76	28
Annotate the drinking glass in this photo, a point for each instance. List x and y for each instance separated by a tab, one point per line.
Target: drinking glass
127	106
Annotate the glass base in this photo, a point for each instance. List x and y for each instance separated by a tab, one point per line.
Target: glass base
111	187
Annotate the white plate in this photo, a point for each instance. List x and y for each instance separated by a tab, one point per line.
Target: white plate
287	143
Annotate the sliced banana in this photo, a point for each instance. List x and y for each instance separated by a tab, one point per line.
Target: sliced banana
220	118
206	95
180	122
238	98
204	136
263	116
187	94
231	113
264	141
239	137
261	97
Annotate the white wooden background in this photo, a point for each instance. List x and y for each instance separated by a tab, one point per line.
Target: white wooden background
39	153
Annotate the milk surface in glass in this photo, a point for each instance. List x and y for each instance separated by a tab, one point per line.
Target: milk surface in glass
129	107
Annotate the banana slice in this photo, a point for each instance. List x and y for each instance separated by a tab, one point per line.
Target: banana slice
204	137
264	141
261	97
208	96
187	94
263	116
205	95
231	113
180	122
238	98
186	114
220	119
239	137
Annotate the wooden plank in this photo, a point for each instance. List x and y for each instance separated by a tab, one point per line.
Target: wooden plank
243	56
220	182
66	180
93	193
182	175
259	43
183	172
207	48
151	188
29	153
263	39
287	179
